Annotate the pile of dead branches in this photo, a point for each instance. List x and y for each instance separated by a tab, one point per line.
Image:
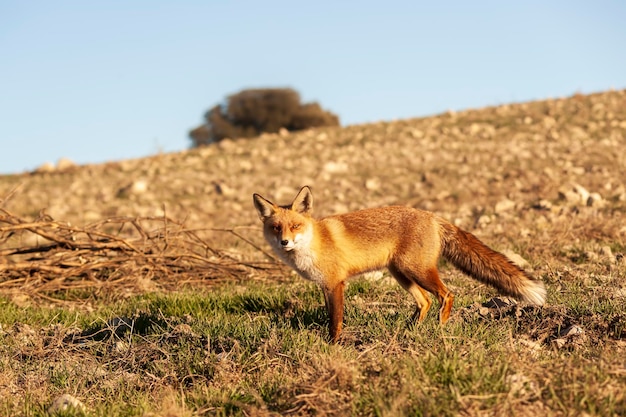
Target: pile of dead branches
48	258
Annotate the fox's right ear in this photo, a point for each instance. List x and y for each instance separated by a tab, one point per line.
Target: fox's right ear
264	207
303	203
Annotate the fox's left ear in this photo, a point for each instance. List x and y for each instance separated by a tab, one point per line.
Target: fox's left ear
303	203
264	207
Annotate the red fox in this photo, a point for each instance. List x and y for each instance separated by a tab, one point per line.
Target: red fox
405	240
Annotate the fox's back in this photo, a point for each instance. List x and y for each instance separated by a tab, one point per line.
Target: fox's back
373	236
379	222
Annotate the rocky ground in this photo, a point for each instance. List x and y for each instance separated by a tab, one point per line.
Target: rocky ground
481	168
521	152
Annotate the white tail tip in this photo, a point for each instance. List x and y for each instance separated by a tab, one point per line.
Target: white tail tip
534	292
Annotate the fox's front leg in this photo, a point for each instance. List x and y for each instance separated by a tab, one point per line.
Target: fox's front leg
334	305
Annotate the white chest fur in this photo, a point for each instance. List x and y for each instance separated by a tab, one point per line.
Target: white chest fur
301	257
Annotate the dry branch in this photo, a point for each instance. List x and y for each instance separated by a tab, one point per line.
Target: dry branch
44	256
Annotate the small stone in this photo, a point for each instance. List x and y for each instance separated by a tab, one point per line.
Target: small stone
574	193
372	184
139	187
504	205
569	196
484	220
595	200
543	204
134	188
571	331
65	403
336	167
224	189
65	163
45	167
417	134
582	192
484	311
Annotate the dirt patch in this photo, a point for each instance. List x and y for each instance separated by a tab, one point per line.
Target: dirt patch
552	325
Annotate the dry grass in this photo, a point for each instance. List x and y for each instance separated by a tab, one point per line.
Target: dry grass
115	255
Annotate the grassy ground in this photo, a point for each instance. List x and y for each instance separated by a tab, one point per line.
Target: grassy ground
261	349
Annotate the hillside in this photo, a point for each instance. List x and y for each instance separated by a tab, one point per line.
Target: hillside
455	163
544	182
487	170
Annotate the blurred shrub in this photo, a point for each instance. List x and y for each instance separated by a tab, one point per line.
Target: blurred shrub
252	112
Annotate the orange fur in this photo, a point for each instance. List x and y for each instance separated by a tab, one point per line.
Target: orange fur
407	241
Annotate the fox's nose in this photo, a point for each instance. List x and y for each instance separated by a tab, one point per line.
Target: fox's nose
284	242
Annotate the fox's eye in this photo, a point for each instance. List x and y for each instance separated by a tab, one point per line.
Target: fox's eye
276	228
296	226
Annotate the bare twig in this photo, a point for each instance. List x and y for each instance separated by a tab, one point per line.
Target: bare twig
117	252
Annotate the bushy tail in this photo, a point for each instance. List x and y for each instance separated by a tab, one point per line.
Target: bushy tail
479	261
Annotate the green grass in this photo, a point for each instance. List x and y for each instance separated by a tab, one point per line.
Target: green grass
259	349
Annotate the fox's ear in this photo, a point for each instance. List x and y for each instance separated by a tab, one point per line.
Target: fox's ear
264	207
303	203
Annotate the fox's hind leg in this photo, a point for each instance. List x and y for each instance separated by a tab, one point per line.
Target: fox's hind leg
414	281
433	284
422	299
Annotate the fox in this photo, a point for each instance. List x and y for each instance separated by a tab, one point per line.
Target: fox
407	241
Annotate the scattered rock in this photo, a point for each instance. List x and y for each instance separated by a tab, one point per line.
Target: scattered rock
65	163
574	194
134	188
65	403
335	167
543	205
504	205
372	184
45	167
595	200
569	337
570	331
224	189
484	220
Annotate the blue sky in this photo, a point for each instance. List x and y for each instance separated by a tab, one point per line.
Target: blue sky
97	81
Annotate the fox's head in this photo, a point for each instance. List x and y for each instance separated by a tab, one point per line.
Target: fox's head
289	227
